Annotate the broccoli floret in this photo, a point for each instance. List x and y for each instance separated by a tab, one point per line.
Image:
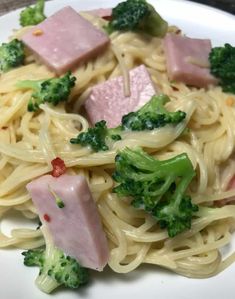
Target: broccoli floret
53	90
175	214
152	115
157	187
56	269
34	257
97	137
33	15
222	63
133	15
11	55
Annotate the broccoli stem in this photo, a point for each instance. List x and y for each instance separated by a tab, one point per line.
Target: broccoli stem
178	165
45	282
40	5
28	84
181	188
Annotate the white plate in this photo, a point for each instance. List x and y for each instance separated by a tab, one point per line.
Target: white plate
17	281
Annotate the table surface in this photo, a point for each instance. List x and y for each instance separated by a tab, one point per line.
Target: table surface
8	5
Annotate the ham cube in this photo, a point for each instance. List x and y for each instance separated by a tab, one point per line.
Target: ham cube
187	60
64	40
108	102
75	228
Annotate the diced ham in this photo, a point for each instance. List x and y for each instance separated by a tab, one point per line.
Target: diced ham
66	39
227	201
187	60
75	228
104	13
108	102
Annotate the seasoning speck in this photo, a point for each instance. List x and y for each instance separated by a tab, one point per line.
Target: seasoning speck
37	32
47	218
230	101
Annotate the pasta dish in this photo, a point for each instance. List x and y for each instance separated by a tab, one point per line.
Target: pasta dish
30	140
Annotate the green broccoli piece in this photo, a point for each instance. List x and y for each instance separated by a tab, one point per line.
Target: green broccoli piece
56	269
151	116
33	15
175	214
53	90
11	55
34	257
222	64
137	15
97	137
157	187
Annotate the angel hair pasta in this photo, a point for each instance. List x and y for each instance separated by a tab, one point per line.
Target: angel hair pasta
29	141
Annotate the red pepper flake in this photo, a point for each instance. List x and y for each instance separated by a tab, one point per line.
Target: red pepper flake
47	218
59	167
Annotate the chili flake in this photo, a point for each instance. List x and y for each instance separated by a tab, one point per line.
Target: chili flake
47	218
59	167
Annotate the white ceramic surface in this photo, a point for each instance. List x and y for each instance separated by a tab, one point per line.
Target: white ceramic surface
17	281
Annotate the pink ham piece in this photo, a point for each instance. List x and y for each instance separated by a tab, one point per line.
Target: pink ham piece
187	60
76	228
108	102
66	40
105	13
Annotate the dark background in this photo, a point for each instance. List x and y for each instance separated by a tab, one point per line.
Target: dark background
8	5
227	5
